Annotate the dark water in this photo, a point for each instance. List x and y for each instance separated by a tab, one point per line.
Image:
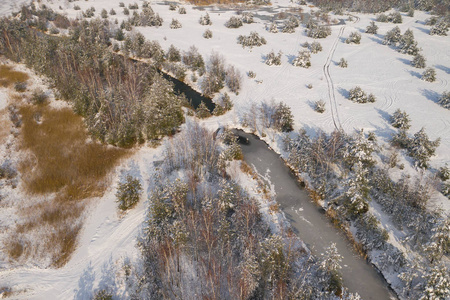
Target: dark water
310	224
195	98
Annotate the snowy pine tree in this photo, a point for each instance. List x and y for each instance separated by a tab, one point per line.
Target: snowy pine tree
354	38
173	54
247	17
392	37
319	106
429	75
175	24
400	119
343	63
234	22
205	20
207	34
330	266
272	59
407	44
444	100
358	190
360	149
422	148
372	28
273	27
359	96
252	40
439	244
440	28
303	59
315	47
419	61
128	192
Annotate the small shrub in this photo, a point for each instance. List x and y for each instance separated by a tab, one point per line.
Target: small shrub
444	100
247	17
20	86
38	97
359	96
76	7
343	63
251	74
400	119
252	40
303	59
392	37
273	28
419	61
126	12
121	4
173	54
372	28
272	59
103	295
429	75
318	32
128	192
7	170
319	106
205	20
234	22
354	38
202	111
112	12
175	24
172	7
440	28
182	10
207	34
104	14
444	173
315	47
382	18
133	6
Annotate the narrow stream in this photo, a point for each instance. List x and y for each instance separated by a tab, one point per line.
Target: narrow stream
311	225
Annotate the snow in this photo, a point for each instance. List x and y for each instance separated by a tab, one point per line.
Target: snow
108	239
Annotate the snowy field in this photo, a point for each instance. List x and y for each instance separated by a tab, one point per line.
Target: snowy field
108	239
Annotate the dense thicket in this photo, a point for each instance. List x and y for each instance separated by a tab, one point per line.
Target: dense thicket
123	101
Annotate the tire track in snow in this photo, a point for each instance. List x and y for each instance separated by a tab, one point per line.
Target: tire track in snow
330	84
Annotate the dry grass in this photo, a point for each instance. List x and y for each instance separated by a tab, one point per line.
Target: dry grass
8	76
65	167
209	2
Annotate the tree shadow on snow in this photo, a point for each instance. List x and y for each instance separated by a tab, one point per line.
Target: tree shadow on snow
342	39
263	58
108	279
343	92
311	104
290	58
427	31
415	74
385	115
431	95
376	40
405	61
85	284
384	131
443	68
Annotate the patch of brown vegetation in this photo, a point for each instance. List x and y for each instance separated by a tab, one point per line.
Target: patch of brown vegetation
209	2
8	76
62	164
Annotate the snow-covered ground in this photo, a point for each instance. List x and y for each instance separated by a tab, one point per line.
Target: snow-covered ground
108	239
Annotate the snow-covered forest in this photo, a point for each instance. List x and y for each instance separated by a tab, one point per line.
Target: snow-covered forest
121	176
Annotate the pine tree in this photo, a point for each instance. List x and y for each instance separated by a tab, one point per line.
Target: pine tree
205	20
272	59
315	47
175	24
330	266
273	27
407	44
444	100
202	111
372	28
173	54
247	17
128	192
354	38
392	37
419	61
429	75
360	149
343	63
303	59
207	34
400	119
283	120
234	22
358	190
422	148
440	241
440	28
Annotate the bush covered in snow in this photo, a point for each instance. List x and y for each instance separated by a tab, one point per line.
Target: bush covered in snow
194	60
247	17
182	10
319	106
393	36
252	40
205	20
440	28
357	95
303	59
343	63
400	119
394	17
175	24
354	38
372	28
315	47
128	192
234	22
273	27
419	61
318	31
444	100
407	44
429	75
207	34
273	59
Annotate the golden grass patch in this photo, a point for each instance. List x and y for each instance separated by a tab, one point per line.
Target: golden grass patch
8	76
64	166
